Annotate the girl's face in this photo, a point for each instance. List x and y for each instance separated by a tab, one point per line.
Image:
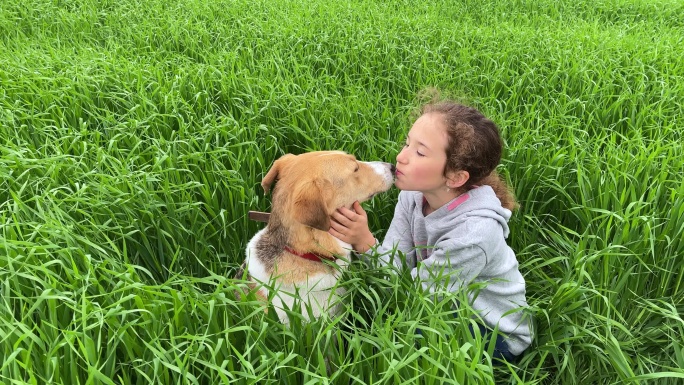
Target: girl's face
420	164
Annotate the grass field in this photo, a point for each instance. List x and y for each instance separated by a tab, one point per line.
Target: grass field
134	135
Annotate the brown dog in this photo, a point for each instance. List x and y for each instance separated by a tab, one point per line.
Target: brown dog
295	255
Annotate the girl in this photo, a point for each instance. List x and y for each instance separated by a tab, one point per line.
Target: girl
452	217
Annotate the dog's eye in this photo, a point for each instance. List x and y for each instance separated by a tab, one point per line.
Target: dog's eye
357	168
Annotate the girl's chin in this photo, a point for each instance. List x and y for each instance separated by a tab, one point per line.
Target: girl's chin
399	184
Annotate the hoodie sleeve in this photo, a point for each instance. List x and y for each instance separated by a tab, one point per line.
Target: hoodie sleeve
451	265
398	242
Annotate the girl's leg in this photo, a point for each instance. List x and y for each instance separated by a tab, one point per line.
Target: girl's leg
501	351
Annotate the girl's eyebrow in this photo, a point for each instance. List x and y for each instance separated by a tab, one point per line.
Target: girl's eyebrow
419	143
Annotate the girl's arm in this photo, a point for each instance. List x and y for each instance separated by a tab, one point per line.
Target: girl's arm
451	266
399	237
352	227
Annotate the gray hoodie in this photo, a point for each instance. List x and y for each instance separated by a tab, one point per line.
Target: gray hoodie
460	243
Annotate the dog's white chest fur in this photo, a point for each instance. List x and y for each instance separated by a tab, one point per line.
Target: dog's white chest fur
317	295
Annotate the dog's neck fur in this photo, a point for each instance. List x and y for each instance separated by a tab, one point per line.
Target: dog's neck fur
302	238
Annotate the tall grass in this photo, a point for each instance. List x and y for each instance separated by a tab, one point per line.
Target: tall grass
134	135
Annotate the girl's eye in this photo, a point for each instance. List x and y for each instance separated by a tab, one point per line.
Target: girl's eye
419	154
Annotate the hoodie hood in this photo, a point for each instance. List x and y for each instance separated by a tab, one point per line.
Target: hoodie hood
478	202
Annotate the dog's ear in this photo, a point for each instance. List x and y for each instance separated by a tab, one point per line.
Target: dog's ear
310	205
275	171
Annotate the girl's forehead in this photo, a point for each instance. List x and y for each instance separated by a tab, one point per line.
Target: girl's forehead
429	129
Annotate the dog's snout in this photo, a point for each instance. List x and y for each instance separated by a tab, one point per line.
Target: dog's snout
384	170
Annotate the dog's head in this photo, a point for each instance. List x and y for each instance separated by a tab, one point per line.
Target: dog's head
311	186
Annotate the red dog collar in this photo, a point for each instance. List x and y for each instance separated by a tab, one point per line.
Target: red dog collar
310	256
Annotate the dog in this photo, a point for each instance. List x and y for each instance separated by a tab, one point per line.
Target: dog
294	255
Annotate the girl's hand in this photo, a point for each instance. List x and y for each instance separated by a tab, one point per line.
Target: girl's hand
351	226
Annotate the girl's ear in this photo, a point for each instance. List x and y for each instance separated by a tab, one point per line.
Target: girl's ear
456	179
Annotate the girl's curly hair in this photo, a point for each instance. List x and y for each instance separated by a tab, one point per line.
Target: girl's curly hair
474	145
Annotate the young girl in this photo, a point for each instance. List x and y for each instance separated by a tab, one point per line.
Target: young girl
451	219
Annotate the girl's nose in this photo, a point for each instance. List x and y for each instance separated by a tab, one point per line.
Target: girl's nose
400	156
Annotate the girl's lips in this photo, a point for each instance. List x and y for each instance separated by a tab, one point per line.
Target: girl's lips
397	173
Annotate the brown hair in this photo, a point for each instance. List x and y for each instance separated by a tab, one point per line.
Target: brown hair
474	145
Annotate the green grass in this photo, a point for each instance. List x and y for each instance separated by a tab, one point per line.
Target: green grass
134	135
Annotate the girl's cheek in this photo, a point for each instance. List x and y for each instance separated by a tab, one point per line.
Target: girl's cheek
426	171
418	173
